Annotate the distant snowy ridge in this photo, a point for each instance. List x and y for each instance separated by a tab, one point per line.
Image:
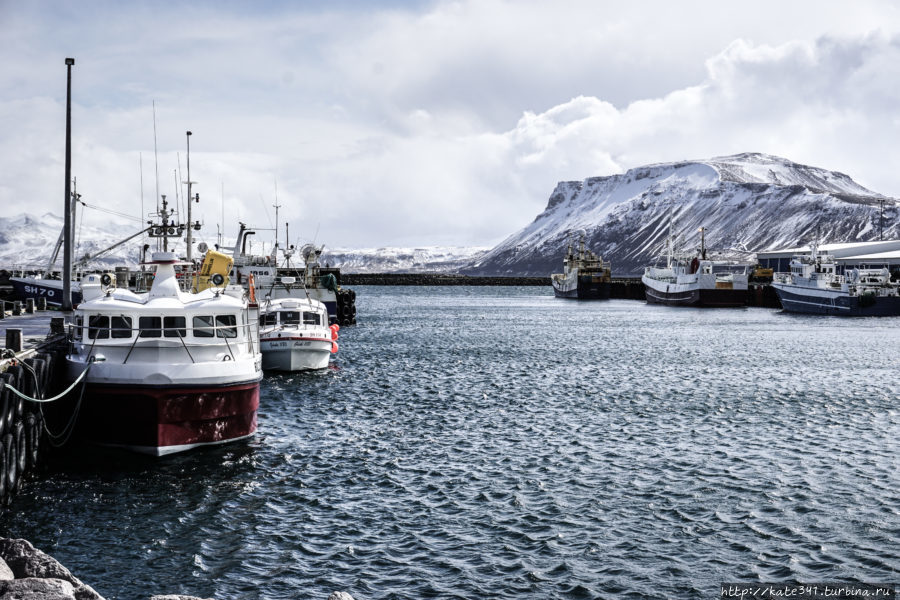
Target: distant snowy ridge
747	203
433	259
27	241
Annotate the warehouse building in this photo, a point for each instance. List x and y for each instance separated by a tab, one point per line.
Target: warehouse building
870	255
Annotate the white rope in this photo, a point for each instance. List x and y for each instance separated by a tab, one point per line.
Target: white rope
55	398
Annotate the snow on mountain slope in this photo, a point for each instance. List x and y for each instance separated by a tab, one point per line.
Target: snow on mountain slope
27	241
747	203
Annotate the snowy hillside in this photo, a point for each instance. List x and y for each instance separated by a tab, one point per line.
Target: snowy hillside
401	260
27	242
746	202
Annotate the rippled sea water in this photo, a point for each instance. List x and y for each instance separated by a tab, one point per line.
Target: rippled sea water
498	442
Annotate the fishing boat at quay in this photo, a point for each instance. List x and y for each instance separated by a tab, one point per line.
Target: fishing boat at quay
294	334
277	276
696	280
585	276
166	370
814	286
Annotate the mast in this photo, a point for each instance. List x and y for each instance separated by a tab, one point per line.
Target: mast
288	249
165	224
277	206
66	304
190	226
155	159
222	234
670	243
703	243
74	202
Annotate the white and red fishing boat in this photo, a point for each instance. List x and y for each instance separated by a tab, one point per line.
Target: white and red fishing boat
294	334
696	281
168	370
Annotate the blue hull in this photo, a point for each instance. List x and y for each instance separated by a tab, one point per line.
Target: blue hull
37	288
716	298
585	290
844	304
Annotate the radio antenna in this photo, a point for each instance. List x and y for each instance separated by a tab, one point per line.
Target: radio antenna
155	156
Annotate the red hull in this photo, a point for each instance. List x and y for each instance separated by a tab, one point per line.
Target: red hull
163	420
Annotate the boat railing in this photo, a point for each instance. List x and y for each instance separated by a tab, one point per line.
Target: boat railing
782	277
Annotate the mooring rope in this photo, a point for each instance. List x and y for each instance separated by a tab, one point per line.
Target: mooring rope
55	398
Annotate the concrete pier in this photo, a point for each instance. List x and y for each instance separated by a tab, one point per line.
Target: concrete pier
27	364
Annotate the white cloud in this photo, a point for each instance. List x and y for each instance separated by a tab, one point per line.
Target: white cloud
445	123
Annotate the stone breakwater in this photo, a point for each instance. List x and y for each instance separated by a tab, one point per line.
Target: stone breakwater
621	288
435	279
27	573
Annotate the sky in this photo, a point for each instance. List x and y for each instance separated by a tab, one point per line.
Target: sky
425	123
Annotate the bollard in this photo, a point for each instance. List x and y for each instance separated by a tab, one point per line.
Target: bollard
57	325
17	308
14	340
29	306
42	303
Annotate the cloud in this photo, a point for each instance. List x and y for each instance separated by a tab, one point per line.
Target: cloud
808	101
434	123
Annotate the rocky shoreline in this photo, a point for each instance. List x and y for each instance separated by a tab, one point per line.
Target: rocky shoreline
29	573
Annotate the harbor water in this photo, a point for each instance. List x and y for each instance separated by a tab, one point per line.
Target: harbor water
496	442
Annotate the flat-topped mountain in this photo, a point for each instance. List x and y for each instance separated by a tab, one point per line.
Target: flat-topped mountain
747	203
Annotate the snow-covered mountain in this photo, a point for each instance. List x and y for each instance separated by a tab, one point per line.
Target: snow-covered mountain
747	203
434	259
27	241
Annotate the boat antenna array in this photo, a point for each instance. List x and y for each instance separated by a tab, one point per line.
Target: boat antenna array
165	229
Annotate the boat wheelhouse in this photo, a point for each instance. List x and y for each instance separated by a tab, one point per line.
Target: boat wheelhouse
166	370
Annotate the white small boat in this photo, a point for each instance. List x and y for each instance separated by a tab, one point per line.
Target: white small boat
276	277
294	334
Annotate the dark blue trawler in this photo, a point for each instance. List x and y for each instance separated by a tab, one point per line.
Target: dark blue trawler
814	287
36	287
585	276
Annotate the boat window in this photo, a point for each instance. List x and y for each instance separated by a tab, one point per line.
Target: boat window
79	324
175	326
226	326
203	326
269	319
98	327
121	327
149	327
311	318
290	317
